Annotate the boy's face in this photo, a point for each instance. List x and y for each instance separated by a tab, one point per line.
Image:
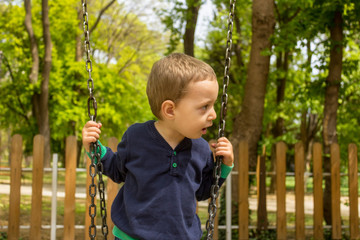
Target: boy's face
195	112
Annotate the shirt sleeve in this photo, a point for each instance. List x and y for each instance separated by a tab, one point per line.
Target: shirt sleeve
208	179
103	151
114	162
226	170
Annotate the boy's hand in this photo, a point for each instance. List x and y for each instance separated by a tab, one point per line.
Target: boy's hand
224	148
90	133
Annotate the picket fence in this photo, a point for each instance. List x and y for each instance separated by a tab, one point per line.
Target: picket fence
13	228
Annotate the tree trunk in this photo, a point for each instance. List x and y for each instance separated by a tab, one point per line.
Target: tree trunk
248	124
191	20
331	103
282	65
40	101
43	121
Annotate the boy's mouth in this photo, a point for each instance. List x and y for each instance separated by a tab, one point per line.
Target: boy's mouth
203	131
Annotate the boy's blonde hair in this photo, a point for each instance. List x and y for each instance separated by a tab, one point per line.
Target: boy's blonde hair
170	76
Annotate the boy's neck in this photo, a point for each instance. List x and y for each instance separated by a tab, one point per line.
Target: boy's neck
171	136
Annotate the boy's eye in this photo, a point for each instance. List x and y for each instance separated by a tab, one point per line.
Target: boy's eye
205	107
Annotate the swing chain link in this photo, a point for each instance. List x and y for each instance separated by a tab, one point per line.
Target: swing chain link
95	166
210	225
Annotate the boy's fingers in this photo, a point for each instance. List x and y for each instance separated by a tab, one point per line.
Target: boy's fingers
223	139
91	138
94	129
92	134
93	124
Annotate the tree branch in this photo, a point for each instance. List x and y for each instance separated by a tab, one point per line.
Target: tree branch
294	15
100	15
18	113
33	43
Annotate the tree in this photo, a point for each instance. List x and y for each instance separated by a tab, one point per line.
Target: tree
191	16
248	123
331	100
119	84
79	46
283	48
174	19
40	100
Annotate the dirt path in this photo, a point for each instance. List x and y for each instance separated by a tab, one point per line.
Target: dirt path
270	201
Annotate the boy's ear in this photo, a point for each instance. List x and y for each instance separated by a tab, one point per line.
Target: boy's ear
167	109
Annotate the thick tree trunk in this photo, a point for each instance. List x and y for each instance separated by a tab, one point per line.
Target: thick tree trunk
248	124
191	20
331	103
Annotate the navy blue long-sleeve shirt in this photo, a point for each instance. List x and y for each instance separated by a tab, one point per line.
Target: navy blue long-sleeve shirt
158	199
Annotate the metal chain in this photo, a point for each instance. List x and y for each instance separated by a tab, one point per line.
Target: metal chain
224	99
96	166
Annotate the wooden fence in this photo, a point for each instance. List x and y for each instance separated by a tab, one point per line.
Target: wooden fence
243	185
280	171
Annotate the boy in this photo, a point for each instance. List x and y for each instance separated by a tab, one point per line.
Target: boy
165	164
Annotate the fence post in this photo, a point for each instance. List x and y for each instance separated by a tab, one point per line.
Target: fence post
353	191
335	191
243	168
318	191
112	190
15	182
37	185
281	190
299	191
54	197
70	185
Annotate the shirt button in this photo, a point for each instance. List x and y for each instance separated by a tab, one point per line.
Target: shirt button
174	165
174	153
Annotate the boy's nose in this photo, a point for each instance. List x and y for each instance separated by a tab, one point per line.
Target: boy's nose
212	115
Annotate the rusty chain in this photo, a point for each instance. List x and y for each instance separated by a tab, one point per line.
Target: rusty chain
96	166
210	225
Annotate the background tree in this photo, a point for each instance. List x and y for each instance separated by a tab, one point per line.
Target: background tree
191	17
331	99
40	99
248	124
181	19
119	87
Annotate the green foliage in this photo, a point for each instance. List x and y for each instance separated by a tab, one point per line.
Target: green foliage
348	115
174	19
3	236
119	71
214	54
